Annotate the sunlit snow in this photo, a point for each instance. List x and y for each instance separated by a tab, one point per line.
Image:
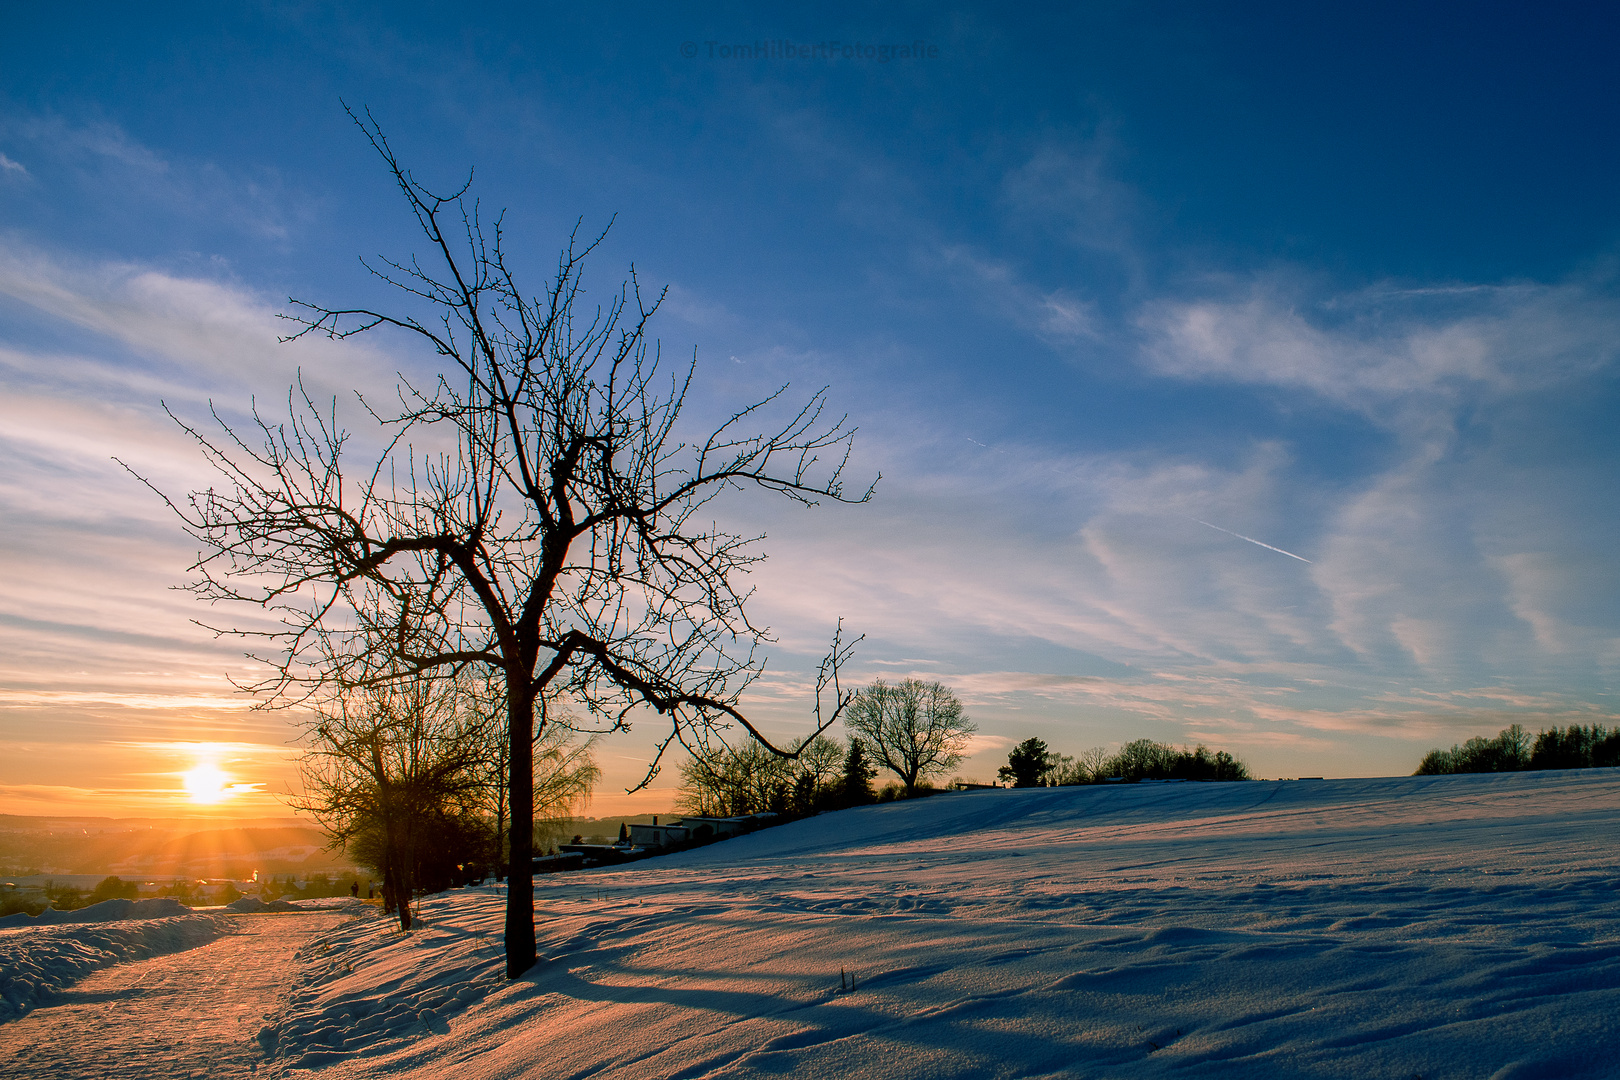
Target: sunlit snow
1460	926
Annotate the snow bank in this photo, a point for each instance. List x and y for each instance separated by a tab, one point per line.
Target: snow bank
162	907
39	960
1437	926
252	905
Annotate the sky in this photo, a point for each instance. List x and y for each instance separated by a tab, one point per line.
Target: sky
1237	373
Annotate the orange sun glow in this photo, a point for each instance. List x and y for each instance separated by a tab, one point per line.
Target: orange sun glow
206	784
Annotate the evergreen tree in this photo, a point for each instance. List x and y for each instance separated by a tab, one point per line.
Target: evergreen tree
1027	764
858	773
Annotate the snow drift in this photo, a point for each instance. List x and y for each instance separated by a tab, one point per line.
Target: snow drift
161	907
252	905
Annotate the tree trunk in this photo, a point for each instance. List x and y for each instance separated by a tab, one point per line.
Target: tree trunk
520	953
499	854
396	878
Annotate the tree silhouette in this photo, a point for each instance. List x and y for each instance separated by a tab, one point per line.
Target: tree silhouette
393	774
552	533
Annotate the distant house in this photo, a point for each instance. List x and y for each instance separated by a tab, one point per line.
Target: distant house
658	836
602	854
716	828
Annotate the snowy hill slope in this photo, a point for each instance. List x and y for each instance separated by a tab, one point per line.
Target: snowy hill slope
1436	927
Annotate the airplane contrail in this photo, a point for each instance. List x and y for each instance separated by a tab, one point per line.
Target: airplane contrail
1252	540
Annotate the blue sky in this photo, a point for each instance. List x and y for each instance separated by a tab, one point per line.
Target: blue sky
1096	285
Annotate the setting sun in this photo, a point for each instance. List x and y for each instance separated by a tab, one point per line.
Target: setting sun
206	784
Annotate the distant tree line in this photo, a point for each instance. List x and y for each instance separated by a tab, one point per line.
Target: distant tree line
1031	764
1514	750
826	774
918	731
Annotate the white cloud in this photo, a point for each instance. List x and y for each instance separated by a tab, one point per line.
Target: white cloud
94	639
1441	566
1395	355
1069	187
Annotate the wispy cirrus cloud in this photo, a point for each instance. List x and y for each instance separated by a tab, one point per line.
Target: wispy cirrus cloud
193	336
1391	353
96	154
1068	591
1060	317
1452	560
95	642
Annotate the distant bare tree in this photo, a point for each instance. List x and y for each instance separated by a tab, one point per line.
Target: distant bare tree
817	770
394	769
1063	770
552	535
916	729
820	760
565	773
1092	765
722	780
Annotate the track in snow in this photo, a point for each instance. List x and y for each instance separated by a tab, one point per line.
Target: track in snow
188	1014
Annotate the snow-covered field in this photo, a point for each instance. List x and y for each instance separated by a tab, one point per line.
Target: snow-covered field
1433	927
1436	927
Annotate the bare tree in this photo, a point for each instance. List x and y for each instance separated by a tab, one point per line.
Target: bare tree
1092	765
395	769
1065	771
821	760
565	772
916	729
723	781
558	541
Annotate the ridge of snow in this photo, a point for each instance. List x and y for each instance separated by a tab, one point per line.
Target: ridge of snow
158	907
37	961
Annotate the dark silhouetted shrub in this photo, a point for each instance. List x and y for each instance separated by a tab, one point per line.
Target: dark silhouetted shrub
114	888
1145	759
